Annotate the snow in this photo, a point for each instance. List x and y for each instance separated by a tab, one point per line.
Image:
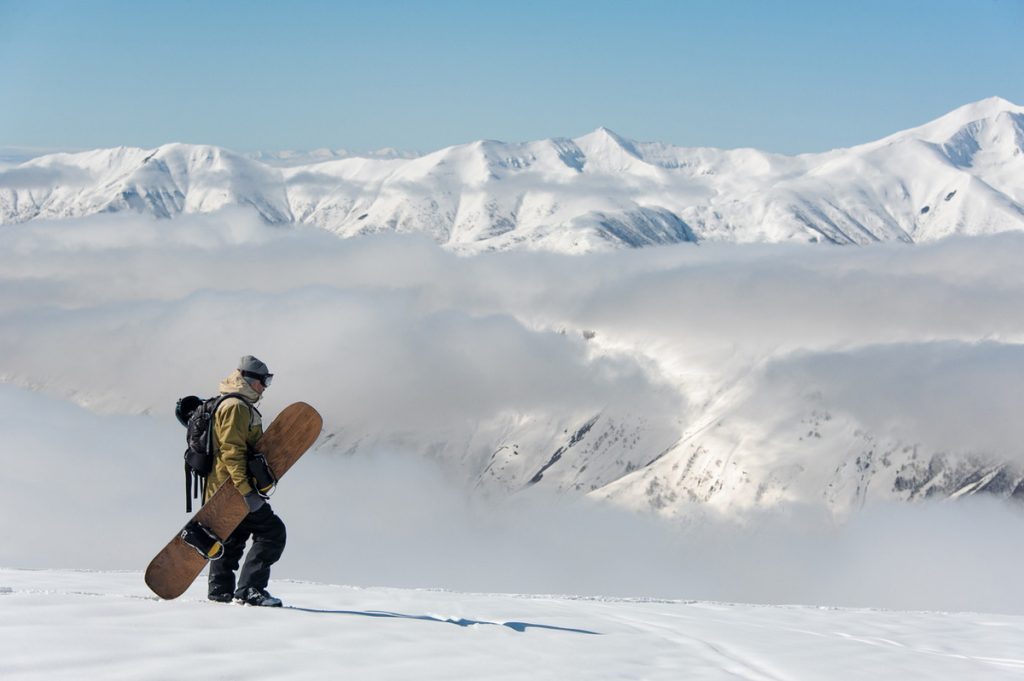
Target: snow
596	192
60	624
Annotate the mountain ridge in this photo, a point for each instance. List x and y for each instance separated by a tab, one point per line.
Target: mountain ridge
599	191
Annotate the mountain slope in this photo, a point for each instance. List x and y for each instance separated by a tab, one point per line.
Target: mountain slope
173	179
955	175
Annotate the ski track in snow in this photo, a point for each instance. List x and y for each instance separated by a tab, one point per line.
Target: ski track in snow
63	624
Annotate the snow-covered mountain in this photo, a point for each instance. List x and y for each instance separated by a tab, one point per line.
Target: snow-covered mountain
724	463
170	180
959	174
733	466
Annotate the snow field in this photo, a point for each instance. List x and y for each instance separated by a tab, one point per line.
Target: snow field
57	624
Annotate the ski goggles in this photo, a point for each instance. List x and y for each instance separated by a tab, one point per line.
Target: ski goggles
265	379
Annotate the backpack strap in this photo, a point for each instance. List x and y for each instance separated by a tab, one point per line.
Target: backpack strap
219	400
195	485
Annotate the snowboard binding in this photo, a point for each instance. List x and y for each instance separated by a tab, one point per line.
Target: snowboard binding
261	475
203	540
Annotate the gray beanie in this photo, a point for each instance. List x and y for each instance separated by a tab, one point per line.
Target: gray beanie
250	364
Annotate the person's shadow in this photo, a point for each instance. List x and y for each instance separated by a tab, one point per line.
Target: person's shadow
515	626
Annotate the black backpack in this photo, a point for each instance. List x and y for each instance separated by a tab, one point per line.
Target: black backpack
196	414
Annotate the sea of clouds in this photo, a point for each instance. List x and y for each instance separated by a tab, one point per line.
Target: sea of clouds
105	321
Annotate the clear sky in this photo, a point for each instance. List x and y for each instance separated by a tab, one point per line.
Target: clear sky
780	76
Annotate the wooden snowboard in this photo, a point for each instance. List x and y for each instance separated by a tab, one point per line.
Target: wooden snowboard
174	569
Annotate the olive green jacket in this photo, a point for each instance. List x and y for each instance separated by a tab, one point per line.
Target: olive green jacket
237	427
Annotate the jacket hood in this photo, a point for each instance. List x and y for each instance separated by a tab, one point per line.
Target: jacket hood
234	383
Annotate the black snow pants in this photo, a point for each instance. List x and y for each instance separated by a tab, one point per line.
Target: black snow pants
268	538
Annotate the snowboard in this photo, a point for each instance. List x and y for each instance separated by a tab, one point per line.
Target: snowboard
174	569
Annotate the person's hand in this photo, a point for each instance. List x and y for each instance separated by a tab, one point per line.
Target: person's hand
254	501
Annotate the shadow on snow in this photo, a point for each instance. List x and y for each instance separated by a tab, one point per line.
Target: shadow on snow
516	626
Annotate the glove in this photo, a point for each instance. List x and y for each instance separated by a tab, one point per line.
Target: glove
261	477
254	501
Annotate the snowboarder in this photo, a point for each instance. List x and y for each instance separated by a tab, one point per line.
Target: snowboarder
237	426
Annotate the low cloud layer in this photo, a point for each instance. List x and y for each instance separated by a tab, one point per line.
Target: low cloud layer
948	396
45	177
395	330
393	338
90	492
377	336
126	313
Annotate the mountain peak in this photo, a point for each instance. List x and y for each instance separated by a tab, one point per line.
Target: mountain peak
996	103
601	133
948	125
607	148
989	107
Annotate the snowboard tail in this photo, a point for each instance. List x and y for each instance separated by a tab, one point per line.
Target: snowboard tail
174	569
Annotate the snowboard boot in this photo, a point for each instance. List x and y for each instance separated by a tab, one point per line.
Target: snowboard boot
259	597
221	597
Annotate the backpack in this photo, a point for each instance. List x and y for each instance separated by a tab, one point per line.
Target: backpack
196	414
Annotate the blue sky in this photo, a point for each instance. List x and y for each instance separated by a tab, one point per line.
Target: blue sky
781	76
